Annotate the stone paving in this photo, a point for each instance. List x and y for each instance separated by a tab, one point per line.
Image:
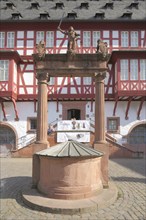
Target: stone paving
128	174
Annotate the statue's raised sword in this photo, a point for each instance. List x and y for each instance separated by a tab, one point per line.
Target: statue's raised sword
61	20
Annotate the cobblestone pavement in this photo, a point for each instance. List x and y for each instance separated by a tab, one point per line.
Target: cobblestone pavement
128	175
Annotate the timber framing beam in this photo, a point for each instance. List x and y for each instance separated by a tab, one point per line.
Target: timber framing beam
128	107
140	107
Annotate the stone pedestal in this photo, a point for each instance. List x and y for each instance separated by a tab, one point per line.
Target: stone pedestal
100	141
42	115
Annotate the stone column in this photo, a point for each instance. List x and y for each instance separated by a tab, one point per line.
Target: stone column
99	109
100	141
42	109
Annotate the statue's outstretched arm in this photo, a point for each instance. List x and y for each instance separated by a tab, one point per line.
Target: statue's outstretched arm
62	31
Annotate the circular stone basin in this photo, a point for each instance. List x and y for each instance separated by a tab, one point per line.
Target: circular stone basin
69	170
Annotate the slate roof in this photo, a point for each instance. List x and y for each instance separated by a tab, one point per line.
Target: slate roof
78	10
70	149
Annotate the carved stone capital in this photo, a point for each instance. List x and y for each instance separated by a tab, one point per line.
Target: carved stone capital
43	76
100	76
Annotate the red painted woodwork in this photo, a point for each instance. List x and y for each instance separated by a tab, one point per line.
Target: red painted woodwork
128	107
140	107
3	110
119	88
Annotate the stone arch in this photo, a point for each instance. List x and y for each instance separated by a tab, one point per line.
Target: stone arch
137	134
135	125
136	137
8	138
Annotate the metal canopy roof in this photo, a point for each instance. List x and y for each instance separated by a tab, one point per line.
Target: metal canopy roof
70	149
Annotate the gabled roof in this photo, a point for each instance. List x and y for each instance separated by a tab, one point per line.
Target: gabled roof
85	10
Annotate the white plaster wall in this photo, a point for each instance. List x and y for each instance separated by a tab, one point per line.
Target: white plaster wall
26	109
53	115
125	125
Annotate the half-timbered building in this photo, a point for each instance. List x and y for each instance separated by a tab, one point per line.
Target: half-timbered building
120	23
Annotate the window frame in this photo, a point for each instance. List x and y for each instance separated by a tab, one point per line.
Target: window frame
117	130
124	39
29	129
2	39
86	38
10	39
50	39
40	36
142	69
124	69
5	70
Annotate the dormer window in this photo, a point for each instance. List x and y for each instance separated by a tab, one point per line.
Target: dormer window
134	5
16	16
109	5
59	5
35	5
99	15
10	5
84	5
44	15
127	15
72	15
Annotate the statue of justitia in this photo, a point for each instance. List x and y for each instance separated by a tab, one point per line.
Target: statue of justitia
72	39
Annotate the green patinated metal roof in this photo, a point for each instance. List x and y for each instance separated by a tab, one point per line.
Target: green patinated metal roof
70	149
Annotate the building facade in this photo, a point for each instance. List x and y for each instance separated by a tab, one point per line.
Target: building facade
24	23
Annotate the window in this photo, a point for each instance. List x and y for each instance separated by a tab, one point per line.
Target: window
39	36
10	40
49	39
31	124
4	70
52	81
86	39
134	69
138	135
143	69
2	39
113	124
134	38
87	80
96	36
124	39
124	69
73	113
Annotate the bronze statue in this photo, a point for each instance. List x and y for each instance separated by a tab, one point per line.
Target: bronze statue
72	39
102	47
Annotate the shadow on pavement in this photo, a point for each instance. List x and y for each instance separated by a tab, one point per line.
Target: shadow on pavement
129	179
136	165
10	187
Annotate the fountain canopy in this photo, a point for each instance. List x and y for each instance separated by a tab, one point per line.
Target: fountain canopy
70	148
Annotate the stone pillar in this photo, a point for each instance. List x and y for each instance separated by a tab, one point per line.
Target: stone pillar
100	141
42	109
